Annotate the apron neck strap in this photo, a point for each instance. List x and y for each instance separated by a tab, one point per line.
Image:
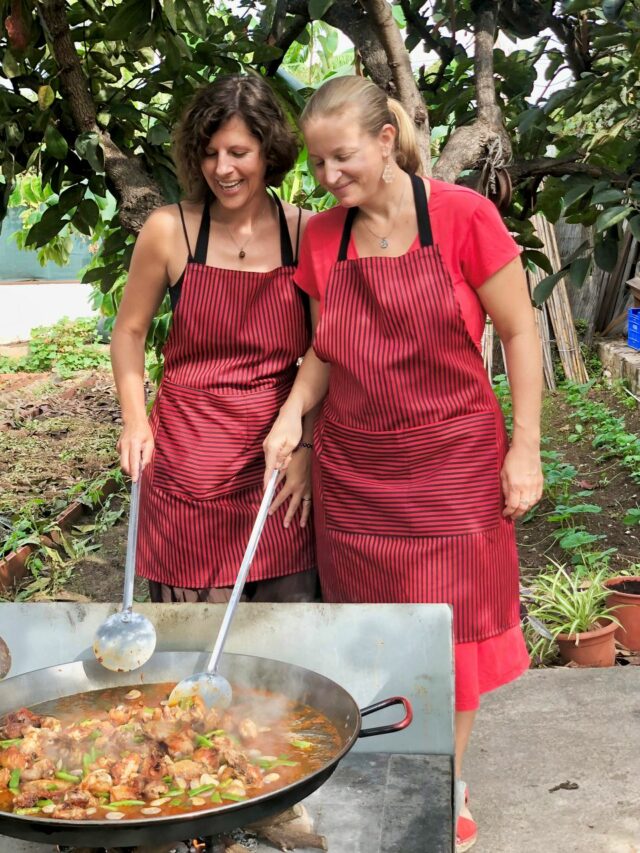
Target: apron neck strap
422	215
202	244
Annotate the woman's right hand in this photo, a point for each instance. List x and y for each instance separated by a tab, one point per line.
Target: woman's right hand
135	446
283	439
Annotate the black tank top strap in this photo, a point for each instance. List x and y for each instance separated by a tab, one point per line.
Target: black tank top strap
346	233
286	249
202	243
186	236
422	211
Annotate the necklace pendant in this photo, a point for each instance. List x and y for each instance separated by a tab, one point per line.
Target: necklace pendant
384	243
242	254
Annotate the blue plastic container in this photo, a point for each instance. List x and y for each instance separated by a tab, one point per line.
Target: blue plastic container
634	328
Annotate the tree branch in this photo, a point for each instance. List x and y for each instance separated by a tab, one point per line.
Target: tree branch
575	48
485	33
559	167
137	191
284	41
404	82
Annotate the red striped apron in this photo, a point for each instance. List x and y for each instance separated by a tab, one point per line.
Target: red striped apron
409	444
229	364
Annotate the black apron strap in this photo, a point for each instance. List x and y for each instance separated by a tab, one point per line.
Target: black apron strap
297	255
422	211
346	233
286	249
202	243
186	236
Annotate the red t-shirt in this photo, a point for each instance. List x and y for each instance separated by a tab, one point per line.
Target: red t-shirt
467	228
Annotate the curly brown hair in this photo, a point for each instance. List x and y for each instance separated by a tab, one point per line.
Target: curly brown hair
250	98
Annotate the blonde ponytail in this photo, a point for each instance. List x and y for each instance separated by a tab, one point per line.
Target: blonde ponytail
375	109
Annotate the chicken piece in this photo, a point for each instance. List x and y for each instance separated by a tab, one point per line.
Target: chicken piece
5	775
97	782
120	714
180	744
248	730
12	758
67	811
79	798
25	800
47	789
212	720
188	770
51	723
247	773
43	768
126	769
155	789
16	724
35	742
208	756
151	765
125	792
159	729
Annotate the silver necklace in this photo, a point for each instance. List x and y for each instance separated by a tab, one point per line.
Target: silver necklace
383	242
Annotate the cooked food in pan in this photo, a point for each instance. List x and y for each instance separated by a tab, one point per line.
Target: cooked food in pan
125	753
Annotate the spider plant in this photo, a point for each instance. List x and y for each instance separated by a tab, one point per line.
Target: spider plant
570	603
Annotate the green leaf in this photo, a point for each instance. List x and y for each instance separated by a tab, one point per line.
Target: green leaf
71	197
51	223
577	190
194	17
10	65
170	12
86	216
579	270
612	216
88	147
317	8
606	254
612	9
130	17
606	196
530	118
55	143
303	37
46	96
545	287
158	134
634	225
540	260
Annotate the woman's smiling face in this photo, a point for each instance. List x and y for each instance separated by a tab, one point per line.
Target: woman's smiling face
347	160
233	165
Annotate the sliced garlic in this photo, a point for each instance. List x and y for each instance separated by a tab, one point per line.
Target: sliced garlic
208	779
198	801
150	811
49	809
133	694
89	811
160	801
181	783
115	815
271	777
269	757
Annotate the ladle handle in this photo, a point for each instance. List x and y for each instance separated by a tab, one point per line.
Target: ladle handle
132	540
244	571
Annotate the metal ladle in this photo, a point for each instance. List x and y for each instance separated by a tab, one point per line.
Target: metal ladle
213	688
126	640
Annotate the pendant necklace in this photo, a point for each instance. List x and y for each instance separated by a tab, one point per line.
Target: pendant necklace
383	242
241	248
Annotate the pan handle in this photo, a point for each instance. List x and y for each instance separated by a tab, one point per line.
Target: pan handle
393	727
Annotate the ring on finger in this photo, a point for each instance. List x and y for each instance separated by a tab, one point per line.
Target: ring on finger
306	500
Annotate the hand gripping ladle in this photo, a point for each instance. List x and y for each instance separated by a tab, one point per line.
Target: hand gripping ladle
213	688
126	640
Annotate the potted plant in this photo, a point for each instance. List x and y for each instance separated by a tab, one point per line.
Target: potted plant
624	601
574	609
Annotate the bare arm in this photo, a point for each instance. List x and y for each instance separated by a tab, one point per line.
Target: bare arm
505	297
144	291
307	393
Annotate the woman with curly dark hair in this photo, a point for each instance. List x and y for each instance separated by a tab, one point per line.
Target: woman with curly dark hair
227	256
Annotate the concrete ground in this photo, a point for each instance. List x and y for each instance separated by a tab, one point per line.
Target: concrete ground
556	726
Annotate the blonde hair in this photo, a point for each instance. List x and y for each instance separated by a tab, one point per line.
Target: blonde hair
375	109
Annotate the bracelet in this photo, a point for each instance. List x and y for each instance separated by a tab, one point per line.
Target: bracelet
306	444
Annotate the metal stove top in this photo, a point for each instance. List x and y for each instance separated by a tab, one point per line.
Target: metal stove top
373	803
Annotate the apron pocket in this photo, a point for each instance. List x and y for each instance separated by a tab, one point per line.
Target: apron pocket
436	480
200	442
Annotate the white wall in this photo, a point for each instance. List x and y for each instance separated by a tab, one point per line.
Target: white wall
23	306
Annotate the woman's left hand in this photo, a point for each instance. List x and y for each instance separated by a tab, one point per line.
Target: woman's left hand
522	481
296	487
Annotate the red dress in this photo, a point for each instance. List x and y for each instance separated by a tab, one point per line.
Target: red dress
409	445
229	364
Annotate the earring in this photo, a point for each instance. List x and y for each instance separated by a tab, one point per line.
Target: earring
387	173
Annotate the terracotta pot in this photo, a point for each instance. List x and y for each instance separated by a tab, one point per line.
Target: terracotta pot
625	597
594	648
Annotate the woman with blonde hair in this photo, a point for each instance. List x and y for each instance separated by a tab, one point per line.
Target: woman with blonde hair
227	257
416	486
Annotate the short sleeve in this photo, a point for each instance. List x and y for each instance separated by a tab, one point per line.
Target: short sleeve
488	246
306	274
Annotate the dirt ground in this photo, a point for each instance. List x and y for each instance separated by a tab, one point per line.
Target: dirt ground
55	434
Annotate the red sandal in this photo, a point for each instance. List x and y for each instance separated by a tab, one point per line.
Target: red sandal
466	827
